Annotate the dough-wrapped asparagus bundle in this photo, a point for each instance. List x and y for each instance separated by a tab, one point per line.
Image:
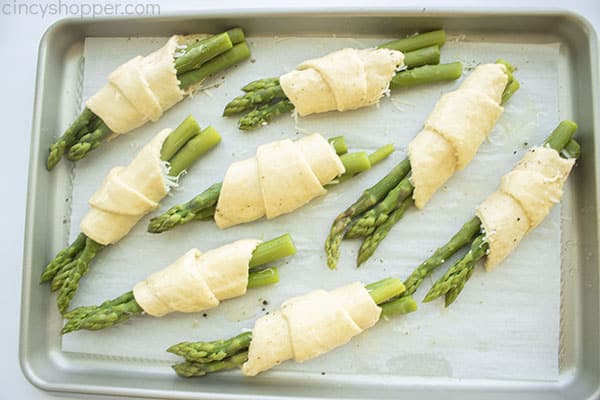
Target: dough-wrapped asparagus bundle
283	176
345	80
459	123
126	195
195	282
141	89
525	197
305	327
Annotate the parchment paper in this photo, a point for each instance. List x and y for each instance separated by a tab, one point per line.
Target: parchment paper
504	325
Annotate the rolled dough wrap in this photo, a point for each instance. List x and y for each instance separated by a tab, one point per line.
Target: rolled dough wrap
197	281
141	89
525	198
310	325
453	132
282	177
127	194
344	80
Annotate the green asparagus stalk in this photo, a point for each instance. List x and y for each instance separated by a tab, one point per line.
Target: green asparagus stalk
370	220
340	146
72	263
202	358
203	52
199	60
261	84
425	56
251	99
206	352
419	41
453	281
237	54
122	308
195	148
427	74
369	198
178	138
355	163
264	114
456	276
462	238
371	242
68	138
203	205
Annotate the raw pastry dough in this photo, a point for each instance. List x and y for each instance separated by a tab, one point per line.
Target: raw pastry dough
310	325
127	194
459	123
197	281
526	195
141	89
282	177
344	80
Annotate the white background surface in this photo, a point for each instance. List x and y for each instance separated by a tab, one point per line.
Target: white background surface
19	38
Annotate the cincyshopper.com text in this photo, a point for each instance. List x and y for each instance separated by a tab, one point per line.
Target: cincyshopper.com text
77	9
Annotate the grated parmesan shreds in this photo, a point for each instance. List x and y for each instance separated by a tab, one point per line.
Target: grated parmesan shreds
169	181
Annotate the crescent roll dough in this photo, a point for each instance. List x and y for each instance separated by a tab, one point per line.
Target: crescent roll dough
526	195
459	123
310	325
127	194
344	80
141	89
197	281
282	177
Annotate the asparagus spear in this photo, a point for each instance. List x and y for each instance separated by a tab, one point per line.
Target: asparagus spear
122	308
202	358
453	281
261	84
427	74
202	206
198	61
263	114
369	198
250	99
370	220
72	263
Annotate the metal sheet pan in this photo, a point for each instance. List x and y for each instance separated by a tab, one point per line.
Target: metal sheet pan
61	50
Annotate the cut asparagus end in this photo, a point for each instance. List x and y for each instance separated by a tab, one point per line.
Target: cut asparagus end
385	289
206	50
236	35
339	144
561	135
179	137
193	150
355	163
272	250
425	56
403	305
264	277
237	54
572	149
427	74
418	41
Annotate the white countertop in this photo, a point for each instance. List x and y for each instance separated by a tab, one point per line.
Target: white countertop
18	74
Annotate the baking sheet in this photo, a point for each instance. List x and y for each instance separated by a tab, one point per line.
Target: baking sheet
504	325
